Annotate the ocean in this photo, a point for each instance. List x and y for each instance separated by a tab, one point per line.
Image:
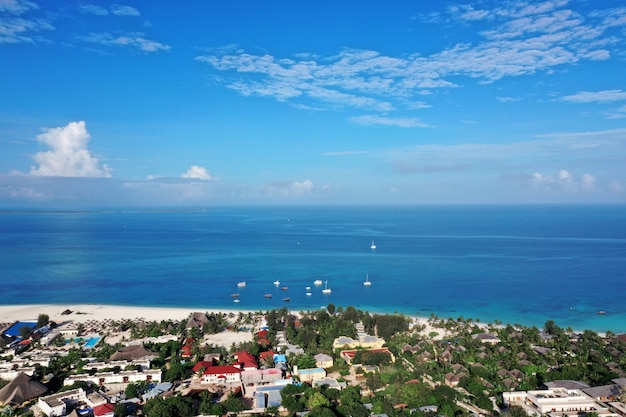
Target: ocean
512	264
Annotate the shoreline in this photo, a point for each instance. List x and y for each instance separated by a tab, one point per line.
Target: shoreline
83	313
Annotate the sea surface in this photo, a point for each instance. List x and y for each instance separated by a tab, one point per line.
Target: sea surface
512	264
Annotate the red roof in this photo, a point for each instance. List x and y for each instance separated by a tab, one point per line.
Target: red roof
221	369
262	334
266	355
103	409
202	364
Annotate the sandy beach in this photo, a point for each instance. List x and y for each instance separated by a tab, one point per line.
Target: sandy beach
83	313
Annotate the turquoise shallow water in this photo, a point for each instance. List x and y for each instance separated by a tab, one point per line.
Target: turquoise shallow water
509	263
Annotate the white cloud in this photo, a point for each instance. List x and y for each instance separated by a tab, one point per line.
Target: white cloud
122	10
198	172
520	38
129	40
507	99
17	7
115	10
68	155
564	181
93	9
287	189
604	96
371	120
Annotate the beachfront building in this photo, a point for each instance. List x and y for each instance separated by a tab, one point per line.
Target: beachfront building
221	375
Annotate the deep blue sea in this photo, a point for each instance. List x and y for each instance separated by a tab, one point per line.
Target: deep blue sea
514	264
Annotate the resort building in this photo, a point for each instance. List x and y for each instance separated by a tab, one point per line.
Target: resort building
122	378
557	402
56	404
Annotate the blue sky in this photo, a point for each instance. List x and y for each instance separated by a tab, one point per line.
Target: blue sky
241	102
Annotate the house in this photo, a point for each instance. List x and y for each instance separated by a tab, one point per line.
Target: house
330	383
323	360
221	374
348	355
452	379
309	375
201	366
245	360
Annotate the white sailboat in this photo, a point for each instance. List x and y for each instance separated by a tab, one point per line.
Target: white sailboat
277	283
367	281
372	246
326	290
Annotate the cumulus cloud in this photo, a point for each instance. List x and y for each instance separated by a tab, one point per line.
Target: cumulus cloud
565	181
68	155
288	189
198	172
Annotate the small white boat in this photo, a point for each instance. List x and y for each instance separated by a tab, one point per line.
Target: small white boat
308	294
373	245
277	283
317	282
308	288
326	290
367	281
241	284
236	300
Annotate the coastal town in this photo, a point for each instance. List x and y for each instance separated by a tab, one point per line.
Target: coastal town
335	361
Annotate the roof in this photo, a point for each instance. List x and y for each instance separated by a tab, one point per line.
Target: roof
197	319
21	388
103	409
222	369
131	352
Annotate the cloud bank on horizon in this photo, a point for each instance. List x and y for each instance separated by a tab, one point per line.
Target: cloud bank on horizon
473	102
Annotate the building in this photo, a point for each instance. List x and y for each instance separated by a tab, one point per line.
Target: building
309	375
221	374
323	360
121	378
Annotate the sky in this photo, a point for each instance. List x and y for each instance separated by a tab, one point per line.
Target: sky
144	103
